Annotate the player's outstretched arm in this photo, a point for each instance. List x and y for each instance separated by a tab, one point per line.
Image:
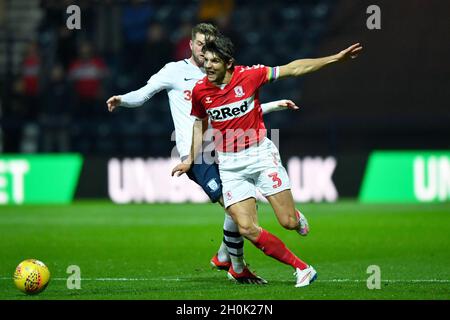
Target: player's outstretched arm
303	66
134	99
278	106
159	81
200	126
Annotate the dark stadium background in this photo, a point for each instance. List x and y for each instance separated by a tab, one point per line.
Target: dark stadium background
395	96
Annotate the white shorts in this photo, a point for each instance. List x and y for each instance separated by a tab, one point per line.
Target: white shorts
256	167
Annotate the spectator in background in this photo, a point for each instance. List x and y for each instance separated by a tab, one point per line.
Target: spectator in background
224	24
53	14
219	13
136	18
87	73
26	102
210	10
182	47
109	37
55	116
30	70
2	12
29	83
54	32
158	51
66	45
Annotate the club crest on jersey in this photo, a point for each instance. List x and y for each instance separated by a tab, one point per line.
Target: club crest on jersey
239	92
208	100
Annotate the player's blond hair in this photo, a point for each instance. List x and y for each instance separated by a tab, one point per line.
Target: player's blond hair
207	29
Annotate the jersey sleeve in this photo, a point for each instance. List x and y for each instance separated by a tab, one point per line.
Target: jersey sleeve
198	110
158	82
261	74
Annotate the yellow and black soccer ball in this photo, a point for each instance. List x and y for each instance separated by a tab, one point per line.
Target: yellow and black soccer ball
31	276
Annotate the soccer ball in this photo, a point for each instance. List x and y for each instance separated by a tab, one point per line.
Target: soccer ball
31	276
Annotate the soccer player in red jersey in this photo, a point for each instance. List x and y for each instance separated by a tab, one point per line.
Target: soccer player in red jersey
178	79
228	96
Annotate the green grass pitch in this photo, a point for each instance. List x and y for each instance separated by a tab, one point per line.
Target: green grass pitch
162	251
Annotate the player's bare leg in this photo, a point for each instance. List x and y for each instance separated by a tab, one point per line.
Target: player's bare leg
288	216
244	214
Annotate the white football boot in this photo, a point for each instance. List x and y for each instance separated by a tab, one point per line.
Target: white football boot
305	277
303	226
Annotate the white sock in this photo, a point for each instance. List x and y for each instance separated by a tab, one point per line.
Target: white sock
222	254
234	244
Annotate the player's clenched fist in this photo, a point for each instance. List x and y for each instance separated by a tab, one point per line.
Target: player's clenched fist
113	102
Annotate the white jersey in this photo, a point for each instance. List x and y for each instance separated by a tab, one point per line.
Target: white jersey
178	78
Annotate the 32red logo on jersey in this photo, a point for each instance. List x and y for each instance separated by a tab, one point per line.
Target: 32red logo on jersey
225	113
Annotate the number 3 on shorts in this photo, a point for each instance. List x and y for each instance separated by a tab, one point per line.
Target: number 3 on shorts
275	179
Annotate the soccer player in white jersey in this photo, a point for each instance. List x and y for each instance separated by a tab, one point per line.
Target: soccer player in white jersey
248	160
178	79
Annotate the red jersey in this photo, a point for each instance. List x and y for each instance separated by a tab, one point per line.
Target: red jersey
31	67
88	76
234	108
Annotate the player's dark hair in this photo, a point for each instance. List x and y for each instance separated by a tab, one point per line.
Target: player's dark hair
207	29
222	47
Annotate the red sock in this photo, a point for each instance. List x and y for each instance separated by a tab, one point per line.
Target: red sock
274	247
